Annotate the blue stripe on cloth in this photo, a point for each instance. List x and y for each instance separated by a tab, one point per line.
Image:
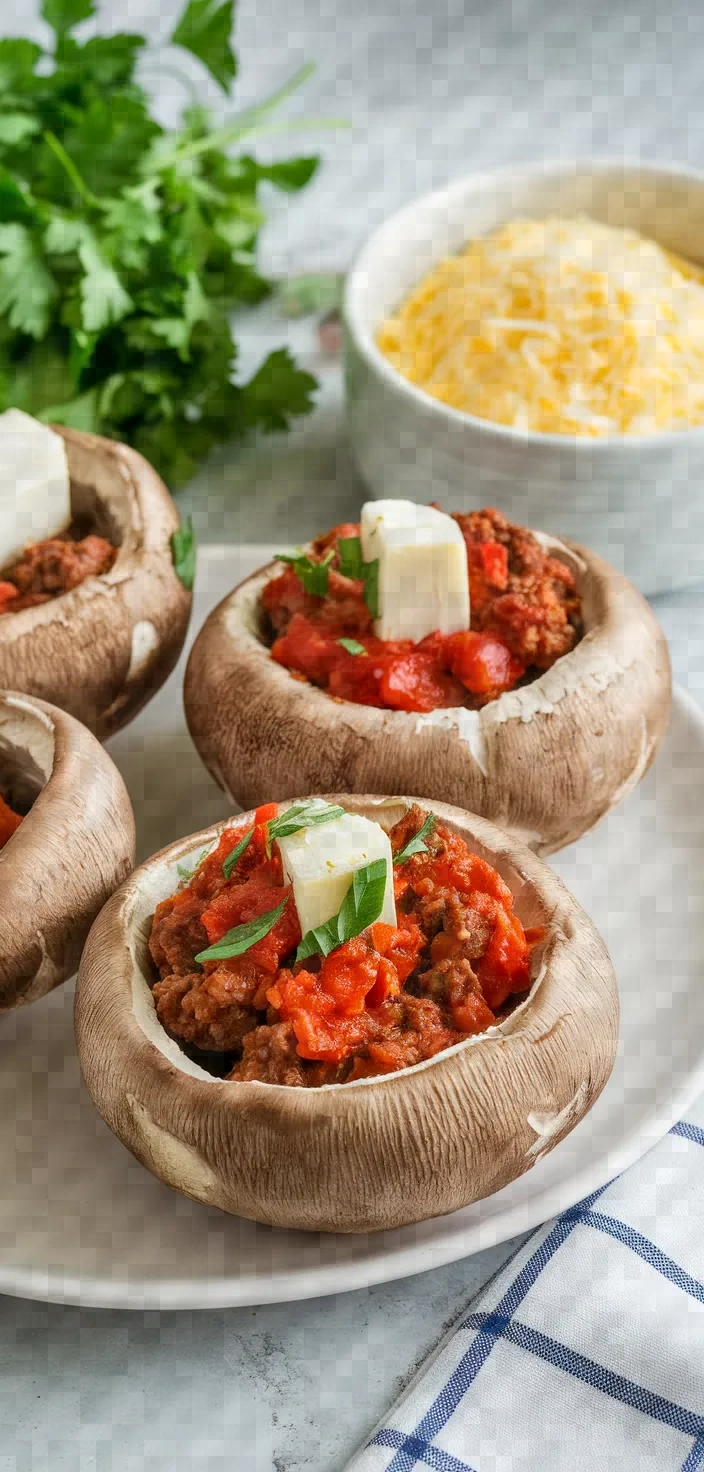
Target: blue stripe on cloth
447	1401
646	1249
689	1132
433	1456
695	1458
590	1373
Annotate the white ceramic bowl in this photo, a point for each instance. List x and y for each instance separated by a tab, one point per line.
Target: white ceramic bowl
636	500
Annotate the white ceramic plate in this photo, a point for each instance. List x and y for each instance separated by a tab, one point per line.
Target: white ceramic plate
82	1222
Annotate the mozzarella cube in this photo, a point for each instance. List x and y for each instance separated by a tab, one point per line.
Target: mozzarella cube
320	862
423	576
35	493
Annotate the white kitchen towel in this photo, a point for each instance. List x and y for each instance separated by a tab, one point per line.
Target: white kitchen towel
585	1353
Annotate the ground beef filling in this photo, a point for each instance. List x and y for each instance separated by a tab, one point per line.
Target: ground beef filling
525	614
48	569
391	997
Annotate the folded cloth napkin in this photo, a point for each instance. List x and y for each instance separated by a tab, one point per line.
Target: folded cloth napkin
585	1353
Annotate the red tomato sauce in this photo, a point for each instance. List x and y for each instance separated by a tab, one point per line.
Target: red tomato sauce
391	997
525	614
9	821
48	569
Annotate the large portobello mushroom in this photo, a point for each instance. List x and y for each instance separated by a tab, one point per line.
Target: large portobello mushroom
102	650
380	1152
72	849
545	761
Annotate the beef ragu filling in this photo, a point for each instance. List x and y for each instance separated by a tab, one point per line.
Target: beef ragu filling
390	997
525	614
48	569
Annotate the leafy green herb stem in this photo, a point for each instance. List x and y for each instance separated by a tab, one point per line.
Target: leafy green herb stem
416	845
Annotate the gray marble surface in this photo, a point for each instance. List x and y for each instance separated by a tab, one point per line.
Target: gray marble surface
431	89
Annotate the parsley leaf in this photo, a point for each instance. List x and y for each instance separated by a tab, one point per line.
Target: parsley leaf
183	551
278	391
313	575
352	646
416	845
205	29
26	287
236	853
361	906
242	937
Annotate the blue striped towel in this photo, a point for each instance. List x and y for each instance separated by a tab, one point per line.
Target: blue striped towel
586	1352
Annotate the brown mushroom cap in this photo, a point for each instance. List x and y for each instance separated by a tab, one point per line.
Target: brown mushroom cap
72	850
101	651
374	1154
545	761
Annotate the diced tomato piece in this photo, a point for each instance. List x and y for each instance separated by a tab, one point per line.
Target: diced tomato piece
307	648
505	966
358	677
416	682
483	662
472	1015
434	644
491	560
266	812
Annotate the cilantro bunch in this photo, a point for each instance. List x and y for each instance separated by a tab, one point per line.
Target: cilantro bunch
124	246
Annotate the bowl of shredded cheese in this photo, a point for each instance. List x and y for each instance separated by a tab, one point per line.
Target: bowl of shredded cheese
534	339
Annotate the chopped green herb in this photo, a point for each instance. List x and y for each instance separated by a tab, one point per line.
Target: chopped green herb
371	587
350	551
187	874
301	815
313	575
352	646
183	551
416	845
242	937
361	906
236	854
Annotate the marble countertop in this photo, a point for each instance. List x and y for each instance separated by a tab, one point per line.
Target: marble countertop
430	89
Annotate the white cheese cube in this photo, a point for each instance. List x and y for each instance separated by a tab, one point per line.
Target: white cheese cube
423	577
35	494
320	861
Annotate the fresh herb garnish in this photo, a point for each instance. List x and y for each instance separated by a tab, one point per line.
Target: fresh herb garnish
313	575
183	551
361	906
350	553
301	815
416	845
352	565
125	246
352	646
371	587
242	937
236	854
185	873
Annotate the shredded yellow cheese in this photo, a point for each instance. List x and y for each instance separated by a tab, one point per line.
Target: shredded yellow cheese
561	326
